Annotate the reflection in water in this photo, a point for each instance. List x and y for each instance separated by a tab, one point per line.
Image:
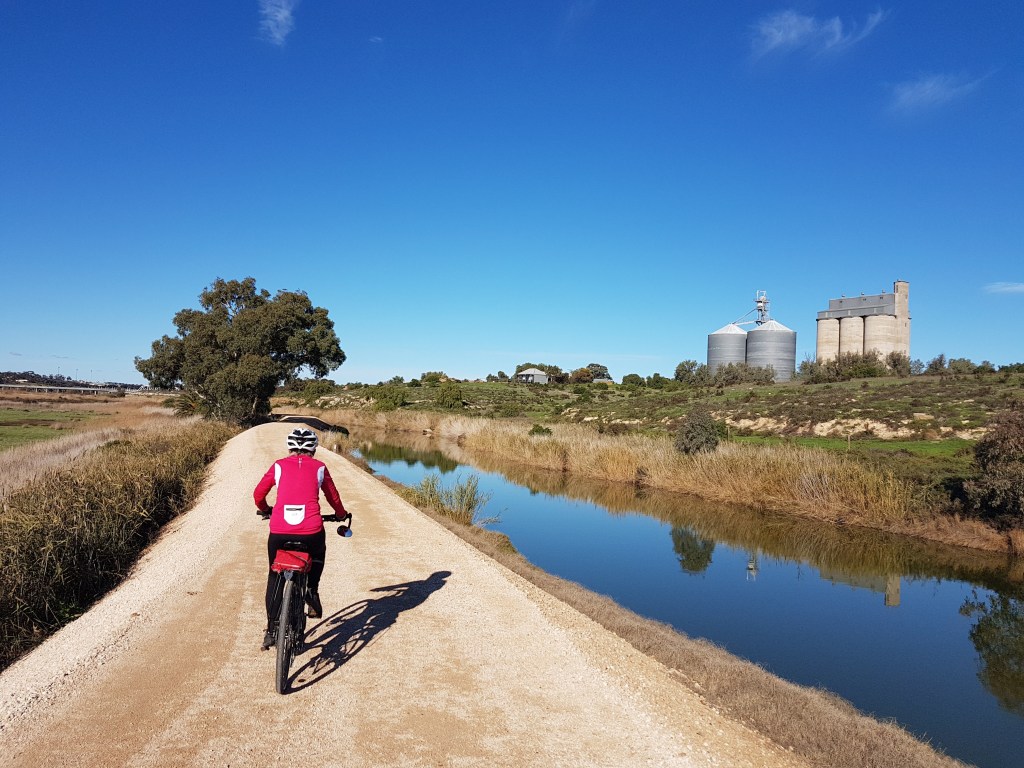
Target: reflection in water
694	552
856	556
998	636
752	567
883	563
431	459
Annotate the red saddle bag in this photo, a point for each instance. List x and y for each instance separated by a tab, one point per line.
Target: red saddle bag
290	560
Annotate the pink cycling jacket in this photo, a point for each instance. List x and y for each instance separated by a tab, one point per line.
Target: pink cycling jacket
299	480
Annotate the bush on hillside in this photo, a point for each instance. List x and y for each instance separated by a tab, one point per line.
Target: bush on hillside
387	397
449	395
741	373
315	389
997	492
698	433
847	366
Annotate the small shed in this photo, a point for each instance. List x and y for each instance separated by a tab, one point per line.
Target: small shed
532	376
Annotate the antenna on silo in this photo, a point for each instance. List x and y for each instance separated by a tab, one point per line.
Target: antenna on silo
761	304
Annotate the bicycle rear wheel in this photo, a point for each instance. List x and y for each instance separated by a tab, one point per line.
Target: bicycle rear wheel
285	636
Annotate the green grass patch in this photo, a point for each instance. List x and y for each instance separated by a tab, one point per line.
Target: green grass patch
461	502
19	426
935	448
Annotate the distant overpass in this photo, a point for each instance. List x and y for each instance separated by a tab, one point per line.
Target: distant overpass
76	390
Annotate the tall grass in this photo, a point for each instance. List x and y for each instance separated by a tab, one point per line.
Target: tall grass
27	462
462	502
73	533
812	483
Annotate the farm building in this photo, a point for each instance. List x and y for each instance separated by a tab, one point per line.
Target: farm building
532	376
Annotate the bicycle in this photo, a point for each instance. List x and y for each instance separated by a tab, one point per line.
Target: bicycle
293	564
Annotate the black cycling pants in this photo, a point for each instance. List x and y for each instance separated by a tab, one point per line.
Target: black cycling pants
313	543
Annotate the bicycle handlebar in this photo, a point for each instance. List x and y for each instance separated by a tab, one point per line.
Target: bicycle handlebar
344	530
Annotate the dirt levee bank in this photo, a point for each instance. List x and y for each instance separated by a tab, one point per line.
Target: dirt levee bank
429	653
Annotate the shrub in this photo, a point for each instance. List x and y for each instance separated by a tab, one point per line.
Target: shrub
315	389
741	373
686	372
510	409
848	366
387	397
997	492
462	502
656	381
936	365
581	376
449	395
698	433
433	377
539	429
899	363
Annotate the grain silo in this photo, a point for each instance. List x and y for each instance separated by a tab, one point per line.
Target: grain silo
851	335
769	344
828	338
868	324
773	345
726	345
880	334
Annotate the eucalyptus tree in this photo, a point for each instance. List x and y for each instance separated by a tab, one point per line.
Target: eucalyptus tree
230	356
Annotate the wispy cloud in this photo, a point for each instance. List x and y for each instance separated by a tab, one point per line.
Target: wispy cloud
276	20
786	31
1004	288
930	91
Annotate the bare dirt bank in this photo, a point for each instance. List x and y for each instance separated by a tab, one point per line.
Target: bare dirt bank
429	653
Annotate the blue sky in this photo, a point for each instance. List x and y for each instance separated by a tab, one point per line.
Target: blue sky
468	185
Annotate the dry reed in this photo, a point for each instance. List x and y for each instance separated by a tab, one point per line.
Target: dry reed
70	534
27	462
809	482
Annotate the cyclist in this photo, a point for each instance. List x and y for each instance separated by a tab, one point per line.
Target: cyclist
296	516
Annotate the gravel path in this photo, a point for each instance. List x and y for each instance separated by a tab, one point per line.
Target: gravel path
429	654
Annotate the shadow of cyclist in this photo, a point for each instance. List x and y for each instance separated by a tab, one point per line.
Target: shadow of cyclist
341	636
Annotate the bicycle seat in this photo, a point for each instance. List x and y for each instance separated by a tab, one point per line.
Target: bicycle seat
291	560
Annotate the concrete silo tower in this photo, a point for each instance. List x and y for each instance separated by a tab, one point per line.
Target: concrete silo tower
863	325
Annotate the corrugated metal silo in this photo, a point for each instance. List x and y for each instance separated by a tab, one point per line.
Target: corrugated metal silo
828	339
726	345
880	334
773	344
851	336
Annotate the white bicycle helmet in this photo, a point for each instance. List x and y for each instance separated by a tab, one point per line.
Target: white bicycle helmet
302	440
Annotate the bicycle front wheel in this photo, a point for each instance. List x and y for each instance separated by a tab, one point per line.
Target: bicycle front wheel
285	636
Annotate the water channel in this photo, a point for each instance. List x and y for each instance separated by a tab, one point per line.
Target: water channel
930	636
